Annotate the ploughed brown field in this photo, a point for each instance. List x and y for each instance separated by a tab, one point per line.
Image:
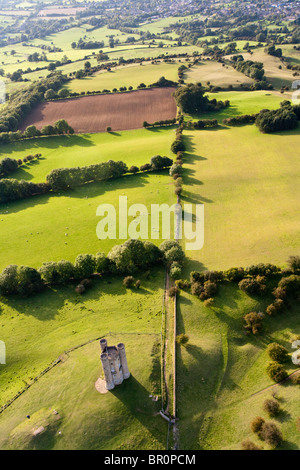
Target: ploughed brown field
120	111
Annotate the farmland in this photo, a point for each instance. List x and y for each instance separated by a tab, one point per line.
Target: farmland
249	192
132	75
133	147
217	75
119	111
56	324
230	372
182	316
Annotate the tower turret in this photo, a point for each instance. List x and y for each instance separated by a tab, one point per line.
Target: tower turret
107	371
123	360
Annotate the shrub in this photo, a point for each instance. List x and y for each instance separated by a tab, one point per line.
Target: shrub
172	252
209	302
173	291
272	407
252	286
63	93
175	169
182	339
101	263
294	263
8	165
271	434
277	352
249	445
133	169
256	424
177	146
290	284
85	266
128	281
210	289
197	288
276	372
50	94
295	378
183	284
253	322
178	190
234	274
175	271
276	307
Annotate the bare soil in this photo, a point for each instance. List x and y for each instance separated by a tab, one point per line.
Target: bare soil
120	111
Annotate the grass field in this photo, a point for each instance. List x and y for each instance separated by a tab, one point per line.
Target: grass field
134	147
248	183
277	77
222	373
217	75
39	330
131	75
51	228
242	102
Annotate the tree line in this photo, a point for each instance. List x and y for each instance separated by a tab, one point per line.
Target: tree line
22	101
130	257
62	179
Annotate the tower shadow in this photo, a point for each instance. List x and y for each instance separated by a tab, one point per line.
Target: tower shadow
135	397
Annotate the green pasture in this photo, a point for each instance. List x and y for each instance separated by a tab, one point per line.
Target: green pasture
241	102
222	379
249	185
134	147
131	75
38	330
60	226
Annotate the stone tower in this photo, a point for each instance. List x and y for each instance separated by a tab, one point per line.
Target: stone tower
114	363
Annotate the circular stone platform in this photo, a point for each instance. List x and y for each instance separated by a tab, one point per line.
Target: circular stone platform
100	386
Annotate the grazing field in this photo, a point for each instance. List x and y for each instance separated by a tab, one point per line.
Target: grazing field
274	75
133	147
94	113
222	372
249	185
242	102
61	226
132	75
216	75
38	331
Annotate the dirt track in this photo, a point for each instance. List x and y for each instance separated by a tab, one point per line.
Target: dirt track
120	111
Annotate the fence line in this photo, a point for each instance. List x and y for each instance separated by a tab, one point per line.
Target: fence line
59	360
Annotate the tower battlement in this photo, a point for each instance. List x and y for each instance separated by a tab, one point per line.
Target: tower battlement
114	363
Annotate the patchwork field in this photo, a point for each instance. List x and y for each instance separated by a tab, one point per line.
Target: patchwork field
249	185
94	113
247	181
